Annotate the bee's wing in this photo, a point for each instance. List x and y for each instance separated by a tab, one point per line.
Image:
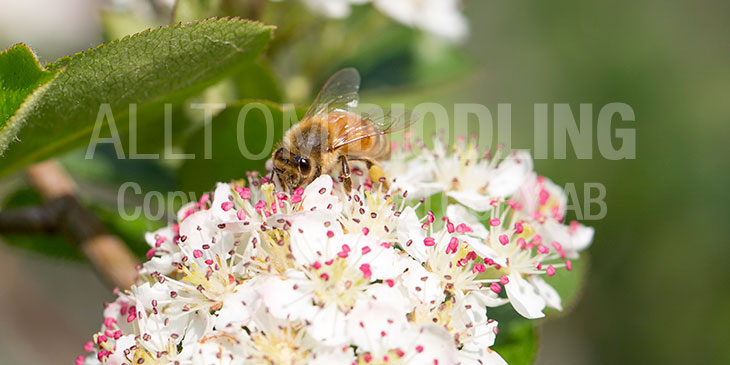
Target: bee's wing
339	93
377	123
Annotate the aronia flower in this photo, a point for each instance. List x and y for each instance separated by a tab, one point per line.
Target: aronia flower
250	274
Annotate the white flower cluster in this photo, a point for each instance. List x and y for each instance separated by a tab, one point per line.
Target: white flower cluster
252	275
443	18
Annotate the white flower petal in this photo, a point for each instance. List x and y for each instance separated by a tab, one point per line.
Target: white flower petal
283	300
411	235
310	237
318	196
547	292
472	199
123	343
511	173
458	214
223	195
328	326
238	305
220	348
524	297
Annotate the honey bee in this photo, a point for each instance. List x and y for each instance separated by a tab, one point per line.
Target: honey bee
331	134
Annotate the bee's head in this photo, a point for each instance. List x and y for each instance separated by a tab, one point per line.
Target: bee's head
293	169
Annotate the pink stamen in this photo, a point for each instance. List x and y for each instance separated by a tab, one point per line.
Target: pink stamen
495	288
503	239
197	254
544	196
519	228
521	243
463	228
495	222
550	270
102	354
429	241
109	321
453	245
101	339
366	273
429	217
504	280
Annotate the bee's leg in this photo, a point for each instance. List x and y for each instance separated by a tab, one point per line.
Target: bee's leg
376	172
346	173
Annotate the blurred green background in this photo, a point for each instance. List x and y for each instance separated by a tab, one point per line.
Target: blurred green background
657	290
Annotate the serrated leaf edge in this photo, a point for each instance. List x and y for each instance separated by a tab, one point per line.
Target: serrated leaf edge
271	28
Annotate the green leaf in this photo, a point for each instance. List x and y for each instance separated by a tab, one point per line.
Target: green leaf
237	144
517	341
145	68
20	75
256	81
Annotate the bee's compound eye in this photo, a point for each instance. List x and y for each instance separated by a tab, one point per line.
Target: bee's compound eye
304	165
